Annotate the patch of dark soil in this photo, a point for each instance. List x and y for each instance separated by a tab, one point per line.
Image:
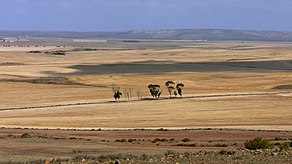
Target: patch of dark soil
43	80
289	86
10	64
171	66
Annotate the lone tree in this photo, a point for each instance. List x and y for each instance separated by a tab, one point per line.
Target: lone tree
154	90
169	86
117	93
179	88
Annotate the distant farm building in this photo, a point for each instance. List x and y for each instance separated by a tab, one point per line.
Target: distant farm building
11	39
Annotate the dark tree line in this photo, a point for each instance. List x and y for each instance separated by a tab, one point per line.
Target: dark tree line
155	89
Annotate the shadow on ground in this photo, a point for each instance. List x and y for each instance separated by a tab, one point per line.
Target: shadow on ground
170	66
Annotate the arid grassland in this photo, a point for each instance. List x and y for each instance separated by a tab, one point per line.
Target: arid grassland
62	106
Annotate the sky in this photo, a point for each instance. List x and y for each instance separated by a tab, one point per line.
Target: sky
124	15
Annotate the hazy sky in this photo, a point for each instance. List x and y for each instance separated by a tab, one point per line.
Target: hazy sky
122	15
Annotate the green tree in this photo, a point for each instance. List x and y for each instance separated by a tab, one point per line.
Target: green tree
154	90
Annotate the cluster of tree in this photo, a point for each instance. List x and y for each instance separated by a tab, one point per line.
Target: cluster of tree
154	91
170	87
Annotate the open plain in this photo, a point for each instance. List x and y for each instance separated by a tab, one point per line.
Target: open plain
65	102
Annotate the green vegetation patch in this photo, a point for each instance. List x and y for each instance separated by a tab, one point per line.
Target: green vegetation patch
257	143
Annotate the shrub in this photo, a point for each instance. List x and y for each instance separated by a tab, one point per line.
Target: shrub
278	138
225	152
220	145
161	129
257	143
159	140
187	154
25	135
170	153
132	140
73	138
144	157
186	140
285	146
10	135
122	140
172	140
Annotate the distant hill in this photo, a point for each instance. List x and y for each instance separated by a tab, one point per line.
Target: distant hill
182	34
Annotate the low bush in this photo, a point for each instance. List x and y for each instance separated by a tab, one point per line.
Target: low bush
172	140
73	138
122	140
225	152
257	143
171	153
159	140
25	135
132	140
279	138
220	145
161	129
186	140
285	146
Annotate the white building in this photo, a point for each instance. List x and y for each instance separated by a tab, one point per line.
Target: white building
11	39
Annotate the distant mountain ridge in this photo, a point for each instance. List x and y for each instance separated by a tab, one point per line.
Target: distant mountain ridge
180	34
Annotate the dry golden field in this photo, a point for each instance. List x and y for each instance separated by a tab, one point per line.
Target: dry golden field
228	85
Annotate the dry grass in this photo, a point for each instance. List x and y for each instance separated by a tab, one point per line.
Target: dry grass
246	110
25	94
241	99
189	113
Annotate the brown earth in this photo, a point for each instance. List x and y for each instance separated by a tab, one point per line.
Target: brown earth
54	144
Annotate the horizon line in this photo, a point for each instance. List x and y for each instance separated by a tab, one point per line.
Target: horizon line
267	30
